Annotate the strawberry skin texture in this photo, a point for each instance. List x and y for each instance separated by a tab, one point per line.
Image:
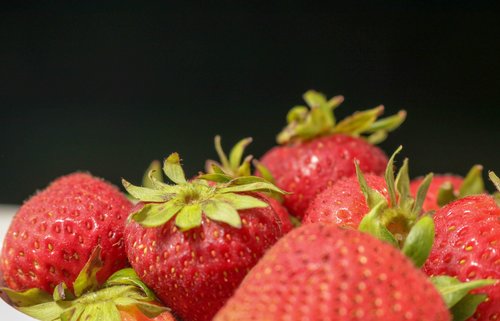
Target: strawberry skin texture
54	232
320	272
306	168
195	272
467	245
430	202
343	203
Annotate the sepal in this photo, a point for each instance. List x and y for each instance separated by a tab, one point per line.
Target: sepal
317	119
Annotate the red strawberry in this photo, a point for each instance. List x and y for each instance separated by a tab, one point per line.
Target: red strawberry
322	272
467	245
235	166
123	297
385	199
54	232
195	261
448	187
344	203
317	152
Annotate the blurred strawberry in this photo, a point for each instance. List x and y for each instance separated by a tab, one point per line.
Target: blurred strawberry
316	151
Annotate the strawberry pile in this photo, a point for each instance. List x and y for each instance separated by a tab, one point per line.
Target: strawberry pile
323	226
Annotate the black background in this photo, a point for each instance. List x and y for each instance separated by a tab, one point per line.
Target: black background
107	87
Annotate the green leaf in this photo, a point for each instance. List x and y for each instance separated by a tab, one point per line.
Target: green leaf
153	172
372	196
48	311
27	298
377	137
314	99
389	123
62	293
173	169
151	310
389	177
494	178
145	194
73	314
241	202
236	153
403	187
421	194
473	182
446	194
220	152
189	217
250	187
452	290
128	276
216	177
152	214
296	114
372	225
466	307
86	280
222	212
101	311
358	122
418	243
264	171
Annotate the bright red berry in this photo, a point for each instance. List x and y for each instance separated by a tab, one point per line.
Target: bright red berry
316	151
194	242
323	272
467	245
54	232
344	203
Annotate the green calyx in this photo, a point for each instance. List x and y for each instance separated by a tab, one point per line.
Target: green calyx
89	301
187	201
496	181
399	220
457	297
317	119
235	165
473	184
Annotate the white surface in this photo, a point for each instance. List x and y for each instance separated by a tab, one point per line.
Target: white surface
6	311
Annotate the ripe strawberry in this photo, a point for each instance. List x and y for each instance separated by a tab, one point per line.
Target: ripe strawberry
54	232
344	203
322	272
234	167
195	261
467	246
123	297
448	187
316	151
386	199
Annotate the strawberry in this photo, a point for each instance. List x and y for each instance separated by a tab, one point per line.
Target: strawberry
467	246
448	187
315	151
54	232
386	199
195	261
235	167
322	272
123	297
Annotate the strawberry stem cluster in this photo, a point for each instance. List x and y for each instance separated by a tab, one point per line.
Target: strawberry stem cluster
188	200
317	119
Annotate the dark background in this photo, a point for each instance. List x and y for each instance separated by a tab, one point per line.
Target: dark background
106	88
